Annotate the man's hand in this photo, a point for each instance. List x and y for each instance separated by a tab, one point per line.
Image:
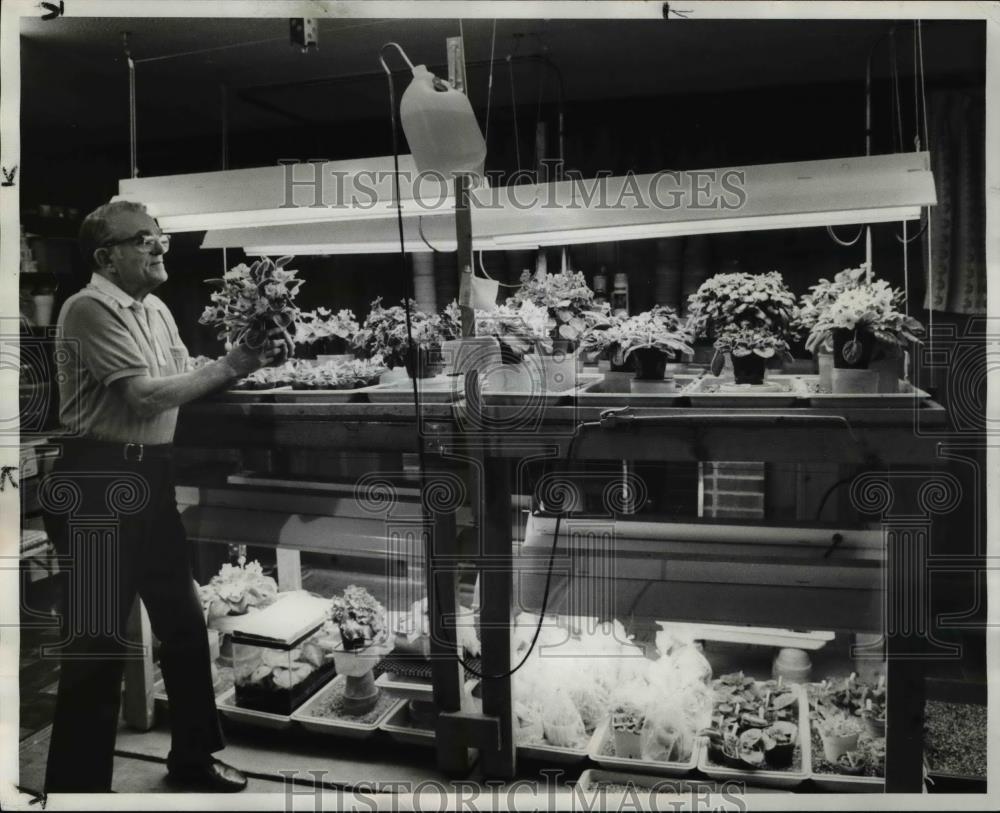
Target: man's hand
243	361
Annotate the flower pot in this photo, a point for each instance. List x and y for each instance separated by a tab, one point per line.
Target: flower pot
360	692
834	746
558	368
429	363
650	364
890	370
848	380
780	756
852	349
791	664
824	363
393	375
628	744
874	727
43	309
749	369
332	346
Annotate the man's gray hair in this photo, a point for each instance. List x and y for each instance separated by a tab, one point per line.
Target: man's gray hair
95	230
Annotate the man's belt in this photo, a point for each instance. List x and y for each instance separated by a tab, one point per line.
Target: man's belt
116	450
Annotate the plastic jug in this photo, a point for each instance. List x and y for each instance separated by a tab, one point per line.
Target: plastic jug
440	127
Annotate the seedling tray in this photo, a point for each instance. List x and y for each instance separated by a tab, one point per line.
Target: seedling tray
776	391
602	749
346	726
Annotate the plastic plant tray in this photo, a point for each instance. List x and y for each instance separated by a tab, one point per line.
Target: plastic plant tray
338	725
907	397
226	705
594	780
552	754
776	391
444	389
266	395
599	745
540	396
593	394
777	779
398	726
306	396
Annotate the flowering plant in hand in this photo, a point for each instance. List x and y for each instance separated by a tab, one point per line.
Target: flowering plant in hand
250	300
384	333
323	326
567	298
360	616
739	298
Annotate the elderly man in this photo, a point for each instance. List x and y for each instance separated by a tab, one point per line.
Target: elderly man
123	374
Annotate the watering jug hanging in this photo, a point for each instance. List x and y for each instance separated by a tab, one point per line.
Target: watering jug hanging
440	127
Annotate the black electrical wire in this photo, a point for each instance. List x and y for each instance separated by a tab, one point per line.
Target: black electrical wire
414	360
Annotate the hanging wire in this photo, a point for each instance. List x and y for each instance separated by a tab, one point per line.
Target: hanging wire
420	229
482	268
132	157
513	107
927	141
489	85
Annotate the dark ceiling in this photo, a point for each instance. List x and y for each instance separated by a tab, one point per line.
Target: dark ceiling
74	76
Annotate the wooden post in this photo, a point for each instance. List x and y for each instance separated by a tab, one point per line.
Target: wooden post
463	235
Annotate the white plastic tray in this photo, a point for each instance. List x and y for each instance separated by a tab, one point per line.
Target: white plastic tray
442	389
539	396
294	396
745	395
226	705
603	734
907	396
593	394
397	725
643	782
333	725
777	779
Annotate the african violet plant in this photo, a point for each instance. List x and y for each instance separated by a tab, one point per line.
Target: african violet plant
360	617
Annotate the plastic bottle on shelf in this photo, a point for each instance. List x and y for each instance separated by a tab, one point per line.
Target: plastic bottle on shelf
601	286
619	296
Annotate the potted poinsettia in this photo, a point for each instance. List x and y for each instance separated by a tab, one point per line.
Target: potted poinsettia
364	640
331	333
858	320
650	340
750	349
384	333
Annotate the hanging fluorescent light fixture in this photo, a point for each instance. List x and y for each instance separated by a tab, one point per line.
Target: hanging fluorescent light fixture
290	193
870	189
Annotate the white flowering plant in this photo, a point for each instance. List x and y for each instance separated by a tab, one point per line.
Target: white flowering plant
567	298
869	308
656	329
605	339
252	299
324	327
360	616
814	304
384	333
237	589
519	328
450	321
739	298
745	341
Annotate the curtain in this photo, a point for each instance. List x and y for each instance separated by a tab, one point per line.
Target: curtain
956	281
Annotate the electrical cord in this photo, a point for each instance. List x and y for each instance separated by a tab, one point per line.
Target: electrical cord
414	359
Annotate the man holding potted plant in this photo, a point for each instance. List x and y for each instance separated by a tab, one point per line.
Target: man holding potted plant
123	375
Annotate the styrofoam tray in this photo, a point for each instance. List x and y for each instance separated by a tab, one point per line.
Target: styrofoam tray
226	705
397	725
778	779
334	725
907	396
442	389
729	394
604	733
593	394
250	395
405	687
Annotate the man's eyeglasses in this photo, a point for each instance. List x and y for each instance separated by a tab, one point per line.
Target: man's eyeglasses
142	241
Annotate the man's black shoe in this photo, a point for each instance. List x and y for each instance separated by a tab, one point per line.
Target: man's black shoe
212	776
